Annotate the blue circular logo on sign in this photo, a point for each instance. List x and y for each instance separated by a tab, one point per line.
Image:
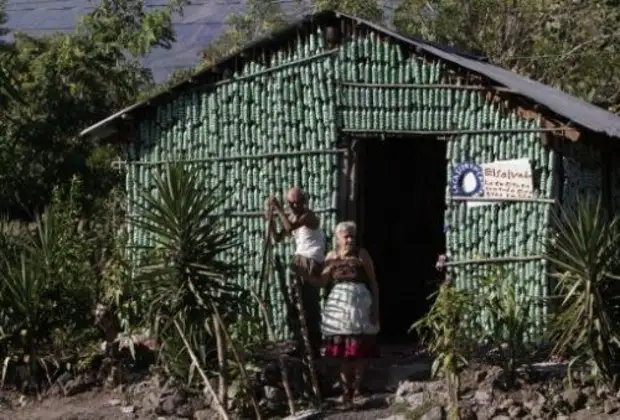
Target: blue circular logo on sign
466	180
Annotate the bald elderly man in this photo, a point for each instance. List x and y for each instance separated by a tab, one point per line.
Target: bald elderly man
308	260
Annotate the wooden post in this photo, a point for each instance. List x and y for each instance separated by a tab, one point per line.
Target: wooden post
606	169
356	178
344	182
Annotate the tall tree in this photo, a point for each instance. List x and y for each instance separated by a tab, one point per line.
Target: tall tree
261	17
3	20
8	89
573	45
68	81
366	9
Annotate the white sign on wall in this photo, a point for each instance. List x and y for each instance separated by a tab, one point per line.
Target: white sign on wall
500	179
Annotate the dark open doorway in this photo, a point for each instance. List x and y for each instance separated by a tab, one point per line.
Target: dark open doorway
402	206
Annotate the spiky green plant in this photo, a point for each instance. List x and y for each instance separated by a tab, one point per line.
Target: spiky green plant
584	252
188	275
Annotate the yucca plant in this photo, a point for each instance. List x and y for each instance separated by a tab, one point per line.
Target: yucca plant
187	280
584	251
22	294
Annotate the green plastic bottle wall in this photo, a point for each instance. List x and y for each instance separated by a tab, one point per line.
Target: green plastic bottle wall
505	230
289	110
302	106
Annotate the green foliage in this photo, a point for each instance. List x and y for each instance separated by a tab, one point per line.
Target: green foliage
445	338
125	25
584	251
67	82
187	278
261	17
8	89
3	20
366	9
52	273
508	317
569	44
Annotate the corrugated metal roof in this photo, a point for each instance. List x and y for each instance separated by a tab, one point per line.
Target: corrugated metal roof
568	106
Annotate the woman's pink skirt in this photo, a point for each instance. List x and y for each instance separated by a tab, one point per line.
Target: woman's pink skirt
350	347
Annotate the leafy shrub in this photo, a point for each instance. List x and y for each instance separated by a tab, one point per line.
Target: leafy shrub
52	273
445	338
508	317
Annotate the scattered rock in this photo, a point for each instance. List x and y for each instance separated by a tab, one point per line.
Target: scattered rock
602	392
274	397
408	387
435	413
79	385
506	404
412	400
610	406
128	409
480	375
205	415
114	402
149	401
516	412
589	391
5	403
574	398
169	403
483	397
540	398
537	411
466	413
395	417
305	415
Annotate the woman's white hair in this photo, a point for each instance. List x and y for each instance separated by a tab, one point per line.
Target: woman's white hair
348	226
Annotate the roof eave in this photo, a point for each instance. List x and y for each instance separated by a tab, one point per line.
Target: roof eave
96	129
597	123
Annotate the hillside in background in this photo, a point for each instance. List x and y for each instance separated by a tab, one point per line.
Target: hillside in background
201	23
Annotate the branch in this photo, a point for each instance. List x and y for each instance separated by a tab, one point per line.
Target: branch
272	337
239	360
218	404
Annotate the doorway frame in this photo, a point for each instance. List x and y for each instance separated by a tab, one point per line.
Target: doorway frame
349	185
353	178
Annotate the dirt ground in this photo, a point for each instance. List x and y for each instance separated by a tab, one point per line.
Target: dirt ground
102	406
111	404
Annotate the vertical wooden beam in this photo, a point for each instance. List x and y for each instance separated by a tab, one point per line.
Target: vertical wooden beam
344	186
356	195
556	143
557	190
606	169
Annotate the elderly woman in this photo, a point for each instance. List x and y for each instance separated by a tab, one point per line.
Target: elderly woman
350	315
